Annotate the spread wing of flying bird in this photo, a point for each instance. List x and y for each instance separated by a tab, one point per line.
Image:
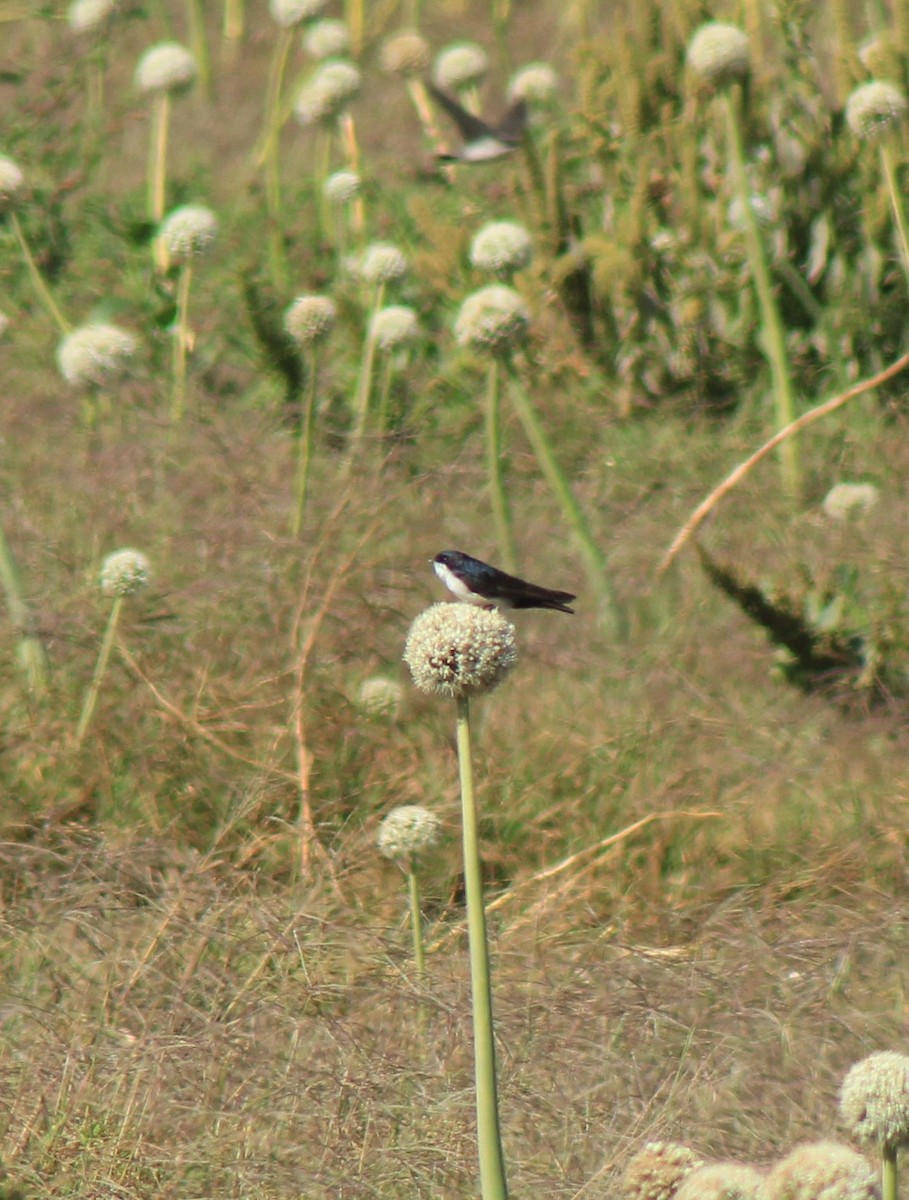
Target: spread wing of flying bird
482	142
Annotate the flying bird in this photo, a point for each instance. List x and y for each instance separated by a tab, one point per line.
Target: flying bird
476	582
482	142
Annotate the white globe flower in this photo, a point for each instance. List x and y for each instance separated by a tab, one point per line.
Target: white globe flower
166	67
381	263
326	39
95	354
124	572
310	318
326	92
460	66
537	83
502	247
394	326
85	15
341	186
493	318
288	13
189	229
12	180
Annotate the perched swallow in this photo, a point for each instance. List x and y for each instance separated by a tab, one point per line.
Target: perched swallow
475	582
482	142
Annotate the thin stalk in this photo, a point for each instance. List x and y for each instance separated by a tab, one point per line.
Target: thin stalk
364	379
495	461
593	557
182	339
888	1174
91	696
304	448
384	405
234	23
41	287
353	15
896	204
493	1185
32	653
157	166
773	341
416	922
352	150
198	42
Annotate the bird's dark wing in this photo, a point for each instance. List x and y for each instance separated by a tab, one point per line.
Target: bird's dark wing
471	127
521	594
511	128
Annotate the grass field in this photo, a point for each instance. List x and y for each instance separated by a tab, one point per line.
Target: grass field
696	871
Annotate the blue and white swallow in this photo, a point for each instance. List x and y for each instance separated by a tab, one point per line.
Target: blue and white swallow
482	142
476	582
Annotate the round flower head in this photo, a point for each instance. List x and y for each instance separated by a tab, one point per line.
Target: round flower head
95	354
291	12
405	53
310	318
722	1181
845	500
874	1099
408	831
327	91
394	326
341	187
719	53
12	181
123	572
537	83
822	1171
381	696
874	109
494	318
460	66
381	263
85	15
657	1170
167	67
189	229
460	650
502	247
324	39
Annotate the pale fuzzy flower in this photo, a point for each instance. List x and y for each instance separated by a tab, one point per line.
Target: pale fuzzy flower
537	83
845	500
341	186
166	67
310	318
95	354
460	650
327	91
874	108
381	696
460	65
502	247
874	1099
405	53
722	1181
719	53
123	572
408	831
493	318
394	326
325	39
288	13
657	1171
381	263
189	229
84	15
12	180
822	1171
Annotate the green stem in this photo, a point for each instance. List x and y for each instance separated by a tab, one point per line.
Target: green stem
304	449
594	559
896	204
157	167
32	653
888	1180
501	509
271	157
382	409
91	696
181	345
198	43
364	380
38	279
234	21
774	340
493	1185
416	922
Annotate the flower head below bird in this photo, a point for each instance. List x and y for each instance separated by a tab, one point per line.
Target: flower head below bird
474	582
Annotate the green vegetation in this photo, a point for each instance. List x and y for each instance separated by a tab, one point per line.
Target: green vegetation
695	873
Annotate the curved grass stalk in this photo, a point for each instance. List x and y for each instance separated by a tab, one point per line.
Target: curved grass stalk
44	293
304	448
32	653
91	696
896	205
501	509
182	341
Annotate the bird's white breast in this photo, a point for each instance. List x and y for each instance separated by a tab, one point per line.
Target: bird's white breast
457	587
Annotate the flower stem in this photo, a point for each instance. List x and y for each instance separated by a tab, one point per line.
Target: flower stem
493	1185
41	287
416	922
364	380
888	1181
304	448
501	509
270	157
91	696
181	345
157	167
896	204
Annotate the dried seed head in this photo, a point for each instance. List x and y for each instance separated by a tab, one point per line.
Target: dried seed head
381	263
394	326
460	65
326	39
875	108
537	83
657	1170
123	572
408	831
405	53
874	1099
822	1171
310	318
722	1181
288	13
494	318
167	67
460	650
189	229
719	53
845	500
327	91
95	354
502	247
